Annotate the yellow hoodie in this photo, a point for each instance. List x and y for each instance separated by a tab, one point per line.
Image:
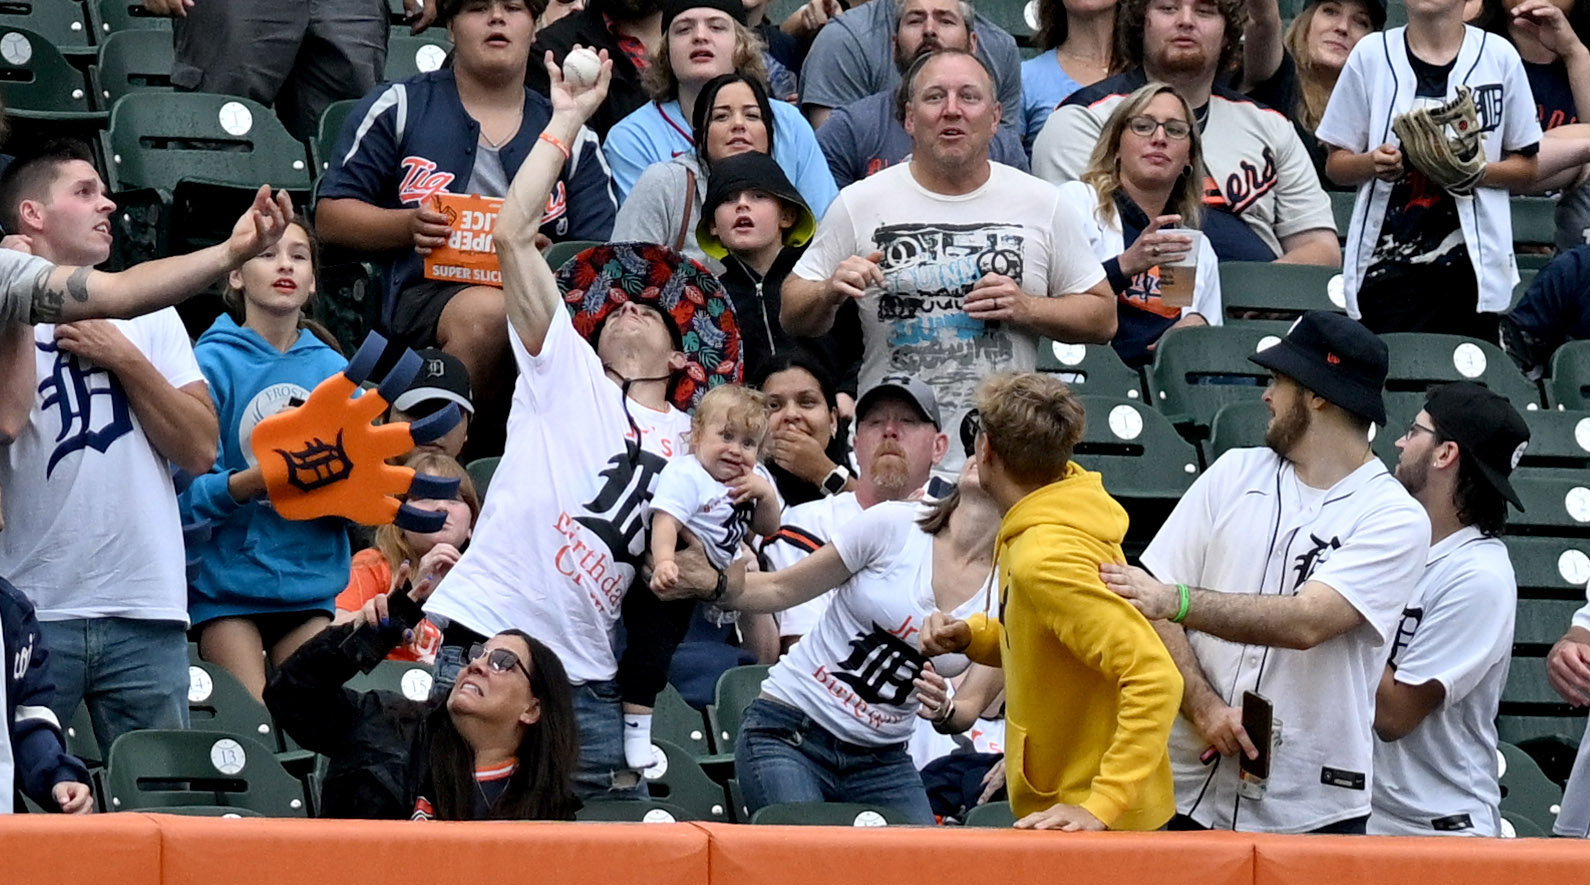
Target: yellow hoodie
1091	691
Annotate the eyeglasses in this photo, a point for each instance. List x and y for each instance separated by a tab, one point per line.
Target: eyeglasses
499	659
971	429
1145	126
1415	428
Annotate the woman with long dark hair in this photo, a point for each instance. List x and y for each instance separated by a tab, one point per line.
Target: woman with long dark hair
501	746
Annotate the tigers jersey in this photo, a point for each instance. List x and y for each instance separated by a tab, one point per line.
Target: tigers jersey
1248	525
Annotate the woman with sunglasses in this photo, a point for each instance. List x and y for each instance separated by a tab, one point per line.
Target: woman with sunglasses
1144	181
500	746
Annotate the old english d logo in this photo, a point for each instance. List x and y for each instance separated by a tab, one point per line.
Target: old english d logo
317	464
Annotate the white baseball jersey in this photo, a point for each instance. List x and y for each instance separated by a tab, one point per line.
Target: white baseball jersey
1377	84
1574	818
1249	526
807	527
1440	779
1254	163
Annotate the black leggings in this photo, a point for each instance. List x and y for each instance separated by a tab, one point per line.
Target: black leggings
654	630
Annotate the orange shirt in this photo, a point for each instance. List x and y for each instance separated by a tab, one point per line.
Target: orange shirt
371	577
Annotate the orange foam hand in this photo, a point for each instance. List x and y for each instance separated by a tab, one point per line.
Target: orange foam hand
326	457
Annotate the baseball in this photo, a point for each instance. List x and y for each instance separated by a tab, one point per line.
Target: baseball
581	67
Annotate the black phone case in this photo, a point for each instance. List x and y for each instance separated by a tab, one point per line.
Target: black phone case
1258	717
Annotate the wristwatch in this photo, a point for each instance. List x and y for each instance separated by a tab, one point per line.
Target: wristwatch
721	587
834	482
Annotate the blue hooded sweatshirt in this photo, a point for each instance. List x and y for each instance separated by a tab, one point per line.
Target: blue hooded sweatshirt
249	559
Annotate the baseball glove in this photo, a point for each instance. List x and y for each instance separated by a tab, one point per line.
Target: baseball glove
1443	142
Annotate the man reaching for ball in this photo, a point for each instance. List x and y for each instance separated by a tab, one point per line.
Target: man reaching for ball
479	124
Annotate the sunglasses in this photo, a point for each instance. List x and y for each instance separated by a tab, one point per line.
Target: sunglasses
1175	130
971	429
500	660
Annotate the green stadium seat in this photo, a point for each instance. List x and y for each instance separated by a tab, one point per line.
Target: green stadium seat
113	16
676	722
1145	463
1238	426
480	472
1519	728
409	55
132	61
1200	369
558	254
218	702
332	120
185	165
1261	290
44	94
1541	622
678	780
1555	505
1558	441
1569	386
1516	826
1342	208
1534	230
828	814
737	688
1018	17
991	814
1525	790
205	811
632	811
349	302
408	679
1527	684
61	22
1421	361
80	739
169	769
1090	368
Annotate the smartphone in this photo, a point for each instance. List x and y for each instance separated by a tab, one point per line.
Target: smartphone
1258	720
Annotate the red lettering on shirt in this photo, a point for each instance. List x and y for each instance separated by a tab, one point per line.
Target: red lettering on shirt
421	181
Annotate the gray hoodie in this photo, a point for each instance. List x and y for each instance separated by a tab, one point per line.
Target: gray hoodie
656	208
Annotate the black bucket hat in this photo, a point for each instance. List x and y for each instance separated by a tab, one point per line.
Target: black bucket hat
751	171
1335	357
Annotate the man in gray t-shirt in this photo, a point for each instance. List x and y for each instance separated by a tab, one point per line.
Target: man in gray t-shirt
853	56
863	137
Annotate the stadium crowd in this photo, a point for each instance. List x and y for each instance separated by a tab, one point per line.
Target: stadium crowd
785	400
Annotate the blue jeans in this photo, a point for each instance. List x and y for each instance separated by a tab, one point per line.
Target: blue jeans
601	772
783	755
133	674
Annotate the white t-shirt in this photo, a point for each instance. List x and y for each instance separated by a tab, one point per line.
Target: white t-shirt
807	527
1574	818
559	538
92	528
853	673
934	248
1243	529
1440	779
688	493
7	769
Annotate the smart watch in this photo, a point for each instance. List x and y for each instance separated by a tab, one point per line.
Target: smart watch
834	482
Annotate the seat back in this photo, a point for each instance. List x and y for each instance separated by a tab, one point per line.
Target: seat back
1262	290
59	21
991	814
1201	369
407	55
218	702
1559	442
648	811
133	61
1090	368
1419	361
558	254
114	16
332	121
1570	376
39	83
409	679
162	140
737	688
166	769
676	722
1238	426
480	472
1525	790
1136	449
828	814
677	779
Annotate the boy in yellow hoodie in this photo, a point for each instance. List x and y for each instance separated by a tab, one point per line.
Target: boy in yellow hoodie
1091	691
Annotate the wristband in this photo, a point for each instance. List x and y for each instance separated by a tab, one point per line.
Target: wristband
721	587
1184	604
945	714
551	139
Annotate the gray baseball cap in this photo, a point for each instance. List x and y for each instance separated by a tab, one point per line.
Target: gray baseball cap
911	389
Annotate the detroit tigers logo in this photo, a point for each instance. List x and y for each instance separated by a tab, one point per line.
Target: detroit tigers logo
1314	557
616	514
421	181
317	465
1488	106
72	389
1406	627
882	667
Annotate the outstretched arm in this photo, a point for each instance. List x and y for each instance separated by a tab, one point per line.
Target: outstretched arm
63	294
527	282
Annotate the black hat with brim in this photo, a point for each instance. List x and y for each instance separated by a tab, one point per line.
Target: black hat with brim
1335	357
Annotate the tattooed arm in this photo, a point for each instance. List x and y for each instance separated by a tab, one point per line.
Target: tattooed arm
52	294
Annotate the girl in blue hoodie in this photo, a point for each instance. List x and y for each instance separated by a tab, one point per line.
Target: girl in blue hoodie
263	584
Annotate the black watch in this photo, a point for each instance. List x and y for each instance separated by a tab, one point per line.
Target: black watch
834	482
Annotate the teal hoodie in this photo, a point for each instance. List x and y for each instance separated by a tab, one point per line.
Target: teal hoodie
249	559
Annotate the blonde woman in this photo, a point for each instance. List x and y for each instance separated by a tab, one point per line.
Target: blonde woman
1141	188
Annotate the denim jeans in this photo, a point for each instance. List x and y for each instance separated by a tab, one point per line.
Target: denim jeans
782	755
601	772
133	674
